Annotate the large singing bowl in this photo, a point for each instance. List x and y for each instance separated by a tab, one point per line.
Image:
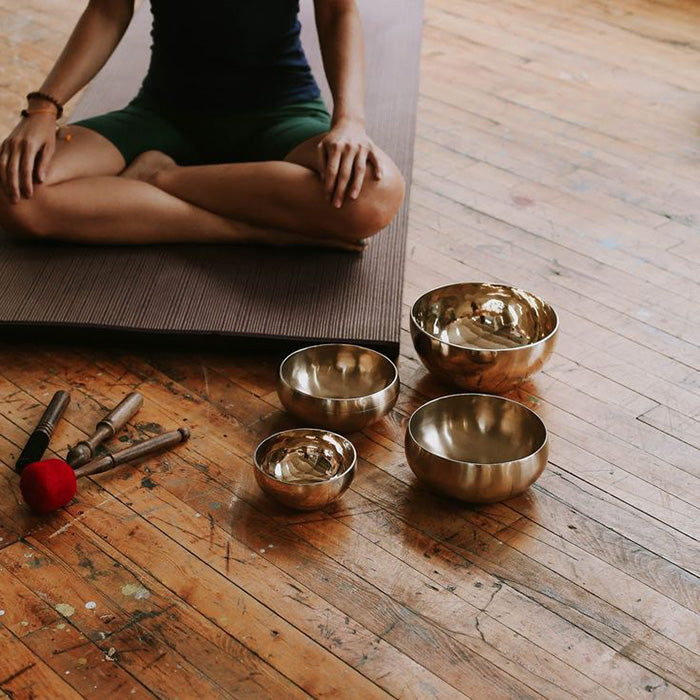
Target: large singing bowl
483	337
477	448
338	386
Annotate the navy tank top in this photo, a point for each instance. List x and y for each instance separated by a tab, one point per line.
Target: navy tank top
243	54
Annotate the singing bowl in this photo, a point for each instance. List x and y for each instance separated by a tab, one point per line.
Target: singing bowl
483	337
338	386
477	448
305	468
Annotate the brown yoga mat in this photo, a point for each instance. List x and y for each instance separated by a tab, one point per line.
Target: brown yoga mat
210	291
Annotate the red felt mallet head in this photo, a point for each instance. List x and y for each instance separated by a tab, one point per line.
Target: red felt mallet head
47	485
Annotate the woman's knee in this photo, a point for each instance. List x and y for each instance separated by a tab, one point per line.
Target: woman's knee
375	208
27	218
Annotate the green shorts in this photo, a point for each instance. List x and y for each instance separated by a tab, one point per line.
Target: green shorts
202	137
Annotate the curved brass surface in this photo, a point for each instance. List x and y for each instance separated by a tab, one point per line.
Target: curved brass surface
483	337
338	386
478	448
305	468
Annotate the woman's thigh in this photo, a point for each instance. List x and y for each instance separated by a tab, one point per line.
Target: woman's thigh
86	154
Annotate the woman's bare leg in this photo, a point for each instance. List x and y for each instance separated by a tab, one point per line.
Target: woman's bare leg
285	195
275	202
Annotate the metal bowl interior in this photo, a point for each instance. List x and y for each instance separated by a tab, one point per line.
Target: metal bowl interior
482	316
306	468
338	371
477	429
305	456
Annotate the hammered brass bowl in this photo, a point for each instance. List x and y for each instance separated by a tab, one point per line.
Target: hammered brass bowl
477	448
306	468
338	386
483	337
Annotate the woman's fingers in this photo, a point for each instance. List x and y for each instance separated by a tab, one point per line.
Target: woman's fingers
376	164
13	173
332	166
45	156
4	157
344	175
322	159
359	173
26	169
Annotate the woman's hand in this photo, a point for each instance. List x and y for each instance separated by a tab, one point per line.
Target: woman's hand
344	153
26	154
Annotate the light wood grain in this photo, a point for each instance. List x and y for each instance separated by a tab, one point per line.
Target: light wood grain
556	150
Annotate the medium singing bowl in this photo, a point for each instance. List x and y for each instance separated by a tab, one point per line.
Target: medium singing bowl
306	468
477	448
338	386
483	337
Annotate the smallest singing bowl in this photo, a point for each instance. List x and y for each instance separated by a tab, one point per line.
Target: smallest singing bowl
338	386
477	448
305	468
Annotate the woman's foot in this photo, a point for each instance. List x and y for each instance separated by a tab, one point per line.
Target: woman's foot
147	165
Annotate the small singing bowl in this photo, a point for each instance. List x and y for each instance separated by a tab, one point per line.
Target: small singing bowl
477	448
338	386
483	337
305	468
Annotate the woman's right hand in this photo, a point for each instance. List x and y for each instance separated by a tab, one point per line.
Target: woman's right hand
26	154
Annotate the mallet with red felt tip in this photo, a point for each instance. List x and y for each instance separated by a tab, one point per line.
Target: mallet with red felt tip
109	426
50	484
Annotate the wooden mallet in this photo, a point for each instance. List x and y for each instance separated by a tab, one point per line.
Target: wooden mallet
50	484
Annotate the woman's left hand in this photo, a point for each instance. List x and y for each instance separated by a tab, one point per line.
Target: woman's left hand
344	153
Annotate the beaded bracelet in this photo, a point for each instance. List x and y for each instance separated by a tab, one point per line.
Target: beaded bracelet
48	98
28	112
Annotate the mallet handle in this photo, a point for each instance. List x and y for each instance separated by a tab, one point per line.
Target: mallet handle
106	428
39	439
127	408
141	449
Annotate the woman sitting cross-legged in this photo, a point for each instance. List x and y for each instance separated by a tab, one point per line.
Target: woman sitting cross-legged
228	139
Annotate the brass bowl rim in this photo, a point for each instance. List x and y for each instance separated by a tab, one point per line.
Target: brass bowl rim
391	384
474	347
338	476
478	464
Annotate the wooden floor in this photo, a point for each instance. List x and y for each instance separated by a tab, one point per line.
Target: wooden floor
557	150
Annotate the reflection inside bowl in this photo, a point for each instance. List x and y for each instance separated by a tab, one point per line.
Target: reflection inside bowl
478	430
304	460
334	372
488	317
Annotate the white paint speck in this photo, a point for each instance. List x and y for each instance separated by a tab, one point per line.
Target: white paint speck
135	590
65	609
91	605
262	551
67	673
270	546
2	612
197	515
